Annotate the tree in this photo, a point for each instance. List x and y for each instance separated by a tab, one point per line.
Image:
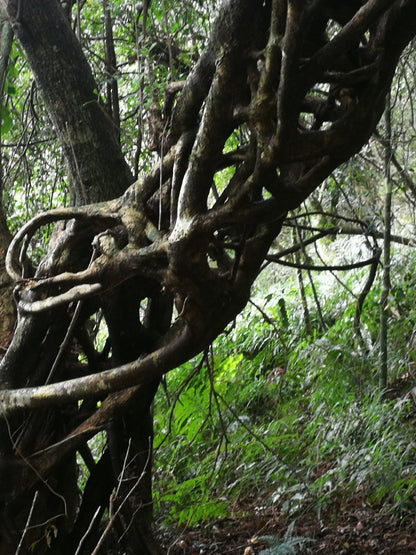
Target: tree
6	305
282	95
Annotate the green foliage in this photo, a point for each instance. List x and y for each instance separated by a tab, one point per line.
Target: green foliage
32	167
275	415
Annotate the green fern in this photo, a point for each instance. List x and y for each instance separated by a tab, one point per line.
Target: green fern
286	546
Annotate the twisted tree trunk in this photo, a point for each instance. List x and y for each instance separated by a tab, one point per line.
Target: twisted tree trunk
170	243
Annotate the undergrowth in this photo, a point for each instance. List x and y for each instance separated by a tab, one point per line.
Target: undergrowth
281	419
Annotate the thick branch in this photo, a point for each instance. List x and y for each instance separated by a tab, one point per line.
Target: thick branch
179	346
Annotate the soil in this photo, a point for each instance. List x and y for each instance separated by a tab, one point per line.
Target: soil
357	530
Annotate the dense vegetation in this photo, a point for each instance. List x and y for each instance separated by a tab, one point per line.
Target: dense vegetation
304	403
293	422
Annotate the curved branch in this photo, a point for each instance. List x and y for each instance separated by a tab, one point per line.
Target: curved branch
363	295
145	370
354	76
46	459
349	35
335	268
104	273
104	210
74	294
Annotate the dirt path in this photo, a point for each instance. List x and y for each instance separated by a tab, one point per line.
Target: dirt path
358	530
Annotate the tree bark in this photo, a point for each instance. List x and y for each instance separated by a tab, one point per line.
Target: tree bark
97	171
385	290
167	241
7	308
96	167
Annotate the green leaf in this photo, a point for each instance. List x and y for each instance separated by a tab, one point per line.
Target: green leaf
6	120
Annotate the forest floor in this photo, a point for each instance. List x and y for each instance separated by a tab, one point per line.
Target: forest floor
357	530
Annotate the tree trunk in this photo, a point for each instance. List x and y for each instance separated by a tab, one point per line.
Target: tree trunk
97	171
7	308
168	240
96	166
388	153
